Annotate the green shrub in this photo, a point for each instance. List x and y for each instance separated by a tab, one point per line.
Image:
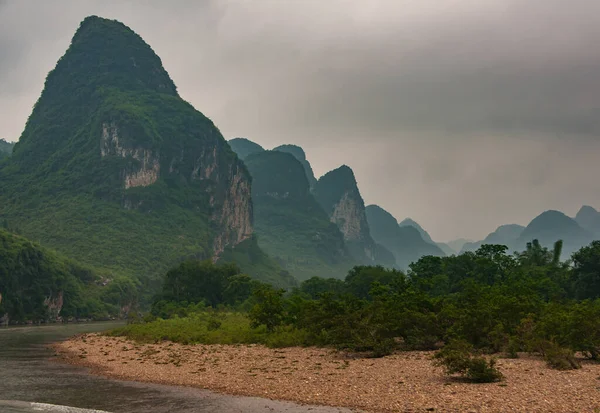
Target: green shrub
457	358
560	358
480	370
287	336
513	348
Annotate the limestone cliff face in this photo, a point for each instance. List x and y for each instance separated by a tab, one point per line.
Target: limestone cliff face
349	215
54	305
338	194
235	214
111	134
227	179
144	167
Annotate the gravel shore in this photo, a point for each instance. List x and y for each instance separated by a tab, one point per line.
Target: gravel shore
405	382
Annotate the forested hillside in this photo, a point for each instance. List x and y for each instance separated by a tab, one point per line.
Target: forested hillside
115	170
290	224
41	285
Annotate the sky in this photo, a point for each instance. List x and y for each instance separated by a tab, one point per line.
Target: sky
461	114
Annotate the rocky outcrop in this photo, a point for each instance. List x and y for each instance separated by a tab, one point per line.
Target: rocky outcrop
144	168
348	214
338	194
289	223
232	209
235	214
111	134
54	305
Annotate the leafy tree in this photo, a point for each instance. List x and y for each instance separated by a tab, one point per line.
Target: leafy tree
269	307
586	271
195	281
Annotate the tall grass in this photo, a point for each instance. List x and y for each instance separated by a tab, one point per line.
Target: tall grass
212	328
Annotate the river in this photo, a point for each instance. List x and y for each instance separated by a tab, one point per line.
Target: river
31	382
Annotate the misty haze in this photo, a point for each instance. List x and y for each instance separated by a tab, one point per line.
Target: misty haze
230	205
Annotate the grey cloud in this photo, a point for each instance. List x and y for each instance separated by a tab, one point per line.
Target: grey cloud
463	115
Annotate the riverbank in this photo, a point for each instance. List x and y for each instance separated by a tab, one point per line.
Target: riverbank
405	382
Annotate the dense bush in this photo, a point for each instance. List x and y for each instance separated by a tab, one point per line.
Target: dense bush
475	303
457	358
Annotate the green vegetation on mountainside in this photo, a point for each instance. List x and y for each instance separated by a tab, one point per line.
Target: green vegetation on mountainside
289	223
253	260
6	147
114	169
299	154
38	284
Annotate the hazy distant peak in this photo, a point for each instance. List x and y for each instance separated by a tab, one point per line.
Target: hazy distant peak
408	222
295	150
589	218
244	147
586	210
551	218
300	155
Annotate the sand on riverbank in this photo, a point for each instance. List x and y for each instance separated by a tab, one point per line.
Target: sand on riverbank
405	382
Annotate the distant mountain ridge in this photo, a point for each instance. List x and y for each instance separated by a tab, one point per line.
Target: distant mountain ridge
445	248
290	224
299	154
405	242
457	244
550	226
244	147
589	218
503	235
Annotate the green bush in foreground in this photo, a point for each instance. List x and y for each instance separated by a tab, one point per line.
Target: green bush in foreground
212	327
457	358
558	357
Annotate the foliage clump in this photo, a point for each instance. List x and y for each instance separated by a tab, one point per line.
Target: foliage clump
558	357
37	284
469	306
456	358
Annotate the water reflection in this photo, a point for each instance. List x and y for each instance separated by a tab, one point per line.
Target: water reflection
27	375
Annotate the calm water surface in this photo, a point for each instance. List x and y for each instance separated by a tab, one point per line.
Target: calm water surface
31	382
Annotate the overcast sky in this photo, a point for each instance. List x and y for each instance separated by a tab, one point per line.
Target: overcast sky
461	114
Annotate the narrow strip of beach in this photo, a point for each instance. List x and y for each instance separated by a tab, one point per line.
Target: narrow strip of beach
404	382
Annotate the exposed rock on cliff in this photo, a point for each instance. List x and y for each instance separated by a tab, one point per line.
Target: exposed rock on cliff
291	226
115	169
338	194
